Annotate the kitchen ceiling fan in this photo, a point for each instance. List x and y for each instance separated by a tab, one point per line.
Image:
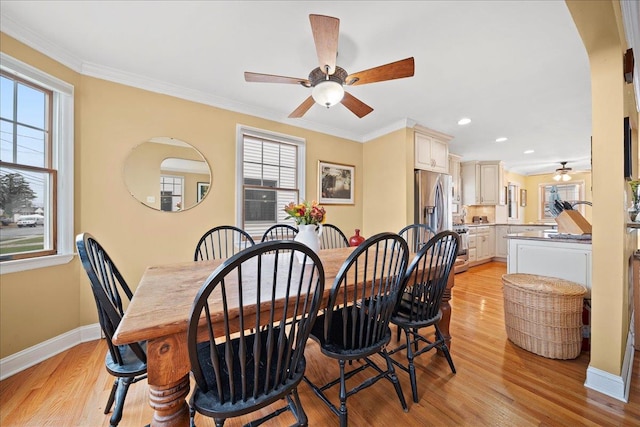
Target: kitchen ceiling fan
328	80
562	173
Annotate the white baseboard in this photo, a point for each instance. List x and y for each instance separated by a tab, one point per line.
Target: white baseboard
613	385
26	358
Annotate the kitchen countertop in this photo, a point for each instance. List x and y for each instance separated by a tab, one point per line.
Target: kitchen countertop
551	237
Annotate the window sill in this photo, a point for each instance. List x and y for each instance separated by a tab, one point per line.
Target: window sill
18	265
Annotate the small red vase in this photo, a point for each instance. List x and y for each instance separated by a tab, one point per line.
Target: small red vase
357	239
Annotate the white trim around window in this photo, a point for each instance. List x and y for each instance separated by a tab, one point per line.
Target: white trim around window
63	142
242	130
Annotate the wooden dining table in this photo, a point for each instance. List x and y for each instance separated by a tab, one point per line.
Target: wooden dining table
159	314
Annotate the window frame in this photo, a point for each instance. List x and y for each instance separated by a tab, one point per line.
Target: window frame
164	177
541	196
62	147
513	204
300	143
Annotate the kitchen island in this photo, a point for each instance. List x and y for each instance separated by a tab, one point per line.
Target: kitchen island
548	253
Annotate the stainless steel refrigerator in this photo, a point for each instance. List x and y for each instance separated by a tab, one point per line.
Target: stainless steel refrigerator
432	204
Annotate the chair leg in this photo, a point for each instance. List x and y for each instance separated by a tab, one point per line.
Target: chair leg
296	408
444	348
192	413
394	379
120	395
411	366
112	396
343	396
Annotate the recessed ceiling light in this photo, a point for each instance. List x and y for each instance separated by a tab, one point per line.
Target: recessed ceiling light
464	121
529	151
501	139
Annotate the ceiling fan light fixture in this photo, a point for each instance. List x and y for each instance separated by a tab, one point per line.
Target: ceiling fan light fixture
327	93
562	174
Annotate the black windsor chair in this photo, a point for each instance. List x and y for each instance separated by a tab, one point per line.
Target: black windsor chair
419	307
252	358
416	236
279	232
332	237
128	363
355	323
222	242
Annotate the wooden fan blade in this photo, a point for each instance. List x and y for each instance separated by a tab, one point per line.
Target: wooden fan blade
395	70
303	108
325	35
270	78
356	106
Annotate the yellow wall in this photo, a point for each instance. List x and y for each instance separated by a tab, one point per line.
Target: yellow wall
386	192
110	120
600	27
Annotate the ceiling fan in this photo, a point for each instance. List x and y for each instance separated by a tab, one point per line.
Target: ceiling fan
562	173
328	80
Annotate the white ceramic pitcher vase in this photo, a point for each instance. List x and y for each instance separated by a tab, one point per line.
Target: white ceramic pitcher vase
308	235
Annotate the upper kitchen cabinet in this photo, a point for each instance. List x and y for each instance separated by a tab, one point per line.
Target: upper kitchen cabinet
483	183
456	182
431	150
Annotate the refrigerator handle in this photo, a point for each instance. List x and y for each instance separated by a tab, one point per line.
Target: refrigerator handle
439	199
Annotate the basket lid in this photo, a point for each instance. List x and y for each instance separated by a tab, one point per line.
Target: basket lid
544	284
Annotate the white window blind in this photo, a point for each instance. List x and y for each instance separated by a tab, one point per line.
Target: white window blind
270	178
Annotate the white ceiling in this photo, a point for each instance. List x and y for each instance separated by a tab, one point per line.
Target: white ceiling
518	69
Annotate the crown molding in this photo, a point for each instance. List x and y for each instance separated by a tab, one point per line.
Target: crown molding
39	43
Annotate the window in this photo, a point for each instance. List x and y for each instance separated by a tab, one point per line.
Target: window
512	201
171	190
36	168
564	192
270	175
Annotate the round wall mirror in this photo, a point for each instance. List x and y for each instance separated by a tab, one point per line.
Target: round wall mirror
167	174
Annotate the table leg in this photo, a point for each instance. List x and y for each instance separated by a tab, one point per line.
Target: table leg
168	377
445	307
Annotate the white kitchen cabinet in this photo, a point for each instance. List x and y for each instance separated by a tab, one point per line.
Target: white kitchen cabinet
472	255
431	150
456	182
491	242
472	251
483	183
482	246
481	240
501	241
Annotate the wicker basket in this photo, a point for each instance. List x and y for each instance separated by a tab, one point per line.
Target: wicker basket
544	314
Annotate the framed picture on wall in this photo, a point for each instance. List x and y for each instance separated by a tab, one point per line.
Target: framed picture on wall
523	198
203	188
336	183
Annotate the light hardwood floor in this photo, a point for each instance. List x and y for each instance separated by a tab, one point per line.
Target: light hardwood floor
497	384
